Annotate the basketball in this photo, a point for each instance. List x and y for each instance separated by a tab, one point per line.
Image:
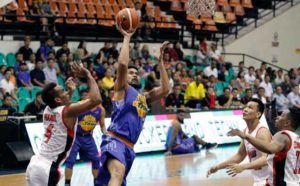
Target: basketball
128	19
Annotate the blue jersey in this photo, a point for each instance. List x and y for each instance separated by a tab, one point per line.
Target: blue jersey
88	120
177	140
129	115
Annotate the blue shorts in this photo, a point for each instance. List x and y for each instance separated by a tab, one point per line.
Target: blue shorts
86	146
187	145
113	148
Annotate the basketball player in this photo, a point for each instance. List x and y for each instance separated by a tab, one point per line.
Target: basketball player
84	141
59	118
179	143
129	111
284	163
258	160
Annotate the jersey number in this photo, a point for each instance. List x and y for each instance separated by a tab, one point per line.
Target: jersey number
48	133
297	167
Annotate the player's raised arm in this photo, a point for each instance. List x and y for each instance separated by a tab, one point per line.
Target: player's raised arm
277	144
121	80
73	110
164	88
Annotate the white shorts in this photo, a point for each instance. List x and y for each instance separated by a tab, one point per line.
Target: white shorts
259	183
42	172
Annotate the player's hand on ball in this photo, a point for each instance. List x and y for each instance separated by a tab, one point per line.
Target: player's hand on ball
212	170
79	71
168	153
234	169
125	33
236	132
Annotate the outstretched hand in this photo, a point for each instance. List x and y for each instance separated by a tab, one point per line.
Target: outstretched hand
125	33
234	169
162	50
211	170
236	132
79	71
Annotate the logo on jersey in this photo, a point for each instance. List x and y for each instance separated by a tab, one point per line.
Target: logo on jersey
141	105
88	122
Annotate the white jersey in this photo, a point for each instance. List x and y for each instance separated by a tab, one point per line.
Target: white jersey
260	174
284	167
58	138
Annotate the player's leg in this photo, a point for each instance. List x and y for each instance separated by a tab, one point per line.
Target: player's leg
37	172
206	145
71	160
117	172
90	149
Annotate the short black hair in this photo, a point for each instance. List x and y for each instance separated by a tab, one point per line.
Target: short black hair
248	89
295	117
226	88
49	94
38	93
7	95
260	105
133	66
234	89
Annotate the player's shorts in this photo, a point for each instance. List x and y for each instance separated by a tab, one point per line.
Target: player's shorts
113	148
86	146
187	145
42	172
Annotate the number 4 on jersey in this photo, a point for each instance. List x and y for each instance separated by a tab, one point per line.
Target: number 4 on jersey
48	133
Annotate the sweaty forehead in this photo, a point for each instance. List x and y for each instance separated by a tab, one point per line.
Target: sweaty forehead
252	104
132	70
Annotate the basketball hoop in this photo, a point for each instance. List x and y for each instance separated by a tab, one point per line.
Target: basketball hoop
201	7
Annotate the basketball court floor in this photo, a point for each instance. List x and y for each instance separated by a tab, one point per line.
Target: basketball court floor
158	170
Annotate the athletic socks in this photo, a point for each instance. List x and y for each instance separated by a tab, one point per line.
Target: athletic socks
68	183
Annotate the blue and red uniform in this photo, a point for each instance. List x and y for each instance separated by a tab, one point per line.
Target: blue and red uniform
126	125
84	141
181	145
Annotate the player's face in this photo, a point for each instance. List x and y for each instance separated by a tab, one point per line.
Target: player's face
281	120
132	77
63	96
250	111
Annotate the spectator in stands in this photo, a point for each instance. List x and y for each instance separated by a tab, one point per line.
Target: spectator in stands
294	96
175	100
48	17
135	52
194	93
177	47
261	95
63	50
241	68
31	62
266	84
37	75
2	70
215	54
36	107
108	80
50	71
7	106
236	100
12	78
202	57
209	102
35	11
282	102
295	78
241	82
45	49
247	97
145	52
211	70
225	99
256	86
172	52
263	70
19	60
203	46
104	52
26	50
279	77
6	86
82	51
286	85
114	52
23	78
63	64
90	67
250	76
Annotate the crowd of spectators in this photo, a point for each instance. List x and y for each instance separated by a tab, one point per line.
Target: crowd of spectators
208	82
